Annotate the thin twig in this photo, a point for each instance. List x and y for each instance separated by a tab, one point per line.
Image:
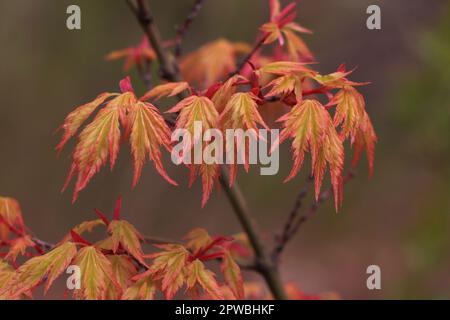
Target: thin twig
145	72
282	239
184	27
249	56
169	69
294	221
263	264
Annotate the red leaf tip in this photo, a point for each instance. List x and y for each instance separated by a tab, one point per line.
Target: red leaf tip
125	85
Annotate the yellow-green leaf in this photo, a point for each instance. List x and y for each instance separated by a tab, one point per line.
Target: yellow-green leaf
96	273
125	234
32	272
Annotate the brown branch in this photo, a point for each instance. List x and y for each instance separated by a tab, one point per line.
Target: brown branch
294	222
249	56
184	27
263	263
145	72
170	71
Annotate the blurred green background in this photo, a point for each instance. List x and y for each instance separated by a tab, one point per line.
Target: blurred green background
399	219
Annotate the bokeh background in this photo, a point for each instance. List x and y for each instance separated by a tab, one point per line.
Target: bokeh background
399	219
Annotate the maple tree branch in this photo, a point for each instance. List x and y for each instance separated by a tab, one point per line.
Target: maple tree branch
170	71
263	264
294	221
43	244
145	73
168	66
184	27
249	56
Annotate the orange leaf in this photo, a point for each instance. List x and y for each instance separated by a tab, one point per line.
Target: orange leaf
11	214
232	275
149	131
311	128
200	110
76	118
224	93
349	111
96	273
199	275
19	246
194	109
212	62
241	112
198	239
97	141
284	68
101	138
285	85
123	270
169	89
126	235
49	265
144	288
7	273
85	226
136	55
365	138
169	265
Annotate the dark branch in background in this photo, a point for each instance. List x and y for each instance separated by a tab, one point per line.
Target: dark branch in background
170	71
294	221
184	27
249	56
168	66
145	72
43	244
282	239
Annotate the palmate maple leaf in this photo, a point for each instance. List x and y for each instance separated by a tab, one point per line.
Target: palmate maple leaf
291	80
192	110
46	267
281	28
19	246
142	123
212	62
365	138
96	274
143	288
137	55
350	114
224	91
10	217
7	272
168	267
199	276
241	112
311	128
124	234
350	109
123	270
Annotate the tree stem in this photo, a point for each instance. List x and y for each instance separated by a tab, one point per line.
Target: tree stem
263	263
